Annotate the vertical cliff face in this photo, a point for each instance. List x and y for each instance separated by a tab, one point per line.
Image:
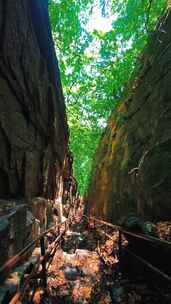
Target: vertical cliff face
132	170
34	158
33	128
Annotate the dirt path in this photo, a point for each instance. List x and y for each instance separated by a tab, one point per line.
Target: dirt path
78	275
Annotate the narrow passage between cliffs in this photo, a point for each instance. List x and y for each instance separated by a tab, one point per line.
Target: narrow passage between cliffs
85	269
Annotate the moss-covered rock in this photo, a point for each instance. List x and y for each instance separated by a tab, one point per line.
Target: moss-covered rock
132	170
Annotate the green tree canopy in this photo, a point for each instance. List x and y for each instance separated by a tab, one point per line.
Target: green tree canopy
97	64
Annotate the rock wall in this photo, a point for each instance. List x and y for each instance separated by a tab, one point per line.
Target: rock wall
132	171
33	128
34	153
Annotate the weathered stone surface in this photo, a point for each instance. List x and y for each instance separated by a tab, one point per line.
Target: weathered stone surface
38	207
34	154
12	228
32	229
33	128
4	239
132	170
